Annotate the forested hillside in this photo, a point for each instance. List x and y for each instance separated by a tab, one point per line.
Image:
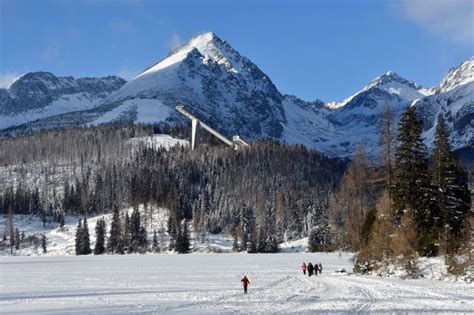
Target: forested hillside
272	191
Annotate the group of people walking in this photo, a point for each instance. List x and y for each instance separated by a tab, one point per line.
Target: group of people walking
312	269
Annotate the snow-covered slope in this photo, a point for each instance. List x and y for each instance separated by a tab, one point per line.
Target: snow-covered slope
458	76
62	241
336	128
212	79
454	102
37	95
159	141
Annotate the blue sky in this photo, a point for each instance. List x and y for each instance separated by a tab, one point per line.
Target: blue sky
312	49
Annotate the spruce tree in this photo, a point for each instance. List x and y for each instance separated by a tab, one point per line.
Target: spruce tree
411	189
79	238
126	234
155	247
134	226
173	232
313	241
452	195
182	239
43	244
114	242
99	247
17	239
143	240
86	243
61	220
252	244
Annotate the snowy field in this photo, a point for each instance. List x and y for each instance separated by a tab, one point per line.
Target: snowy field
210	283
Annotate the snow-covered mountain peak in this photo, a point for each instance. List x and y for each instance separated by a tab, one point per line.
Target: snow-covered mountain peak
387	85
390	79
460	75
209	45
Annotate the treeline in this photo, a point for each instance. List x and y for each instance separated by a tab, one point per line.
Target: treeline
264	195
406	205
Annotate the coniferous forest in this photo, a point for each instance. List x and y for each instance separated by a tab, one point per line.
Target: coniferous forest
403	201
262	196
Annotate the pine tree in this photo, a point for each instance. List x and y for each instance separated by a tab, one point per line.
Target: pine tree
86	243
155	247
10	228
314	241
173	231
17	239
182	239
143	240
253	243
452	195
61	220
135	226
114	242
79	238
411	190
127	235
99	247
43	244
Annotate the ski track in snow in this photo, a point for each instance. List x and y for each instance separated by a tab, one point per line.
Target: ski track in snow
210	283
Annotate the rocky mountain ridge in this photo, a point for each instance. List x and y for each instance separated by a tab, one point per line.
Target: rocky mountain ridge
230	93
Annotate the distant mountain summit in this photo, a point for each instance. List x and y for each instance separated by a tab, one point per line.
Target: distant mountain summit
230	93
463	74
215	82
36	95
453	100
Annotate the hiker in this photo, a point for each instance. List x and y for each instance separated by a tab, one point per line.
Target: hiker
320	268
303	267
245	282
310	269
316	269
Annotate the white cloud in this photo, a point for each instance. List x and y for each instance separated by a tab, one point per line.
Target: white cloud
7	78
176	41
127	73
452	20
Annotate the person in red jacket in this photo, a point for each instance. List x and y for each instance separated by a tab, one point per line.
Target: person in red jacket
303	267
245	282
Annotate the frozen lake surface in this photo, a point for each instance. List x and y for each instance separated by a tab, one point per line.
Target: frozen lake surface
210	283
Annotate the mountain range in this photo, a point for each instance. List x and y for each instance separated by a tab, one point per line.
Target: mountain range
231	94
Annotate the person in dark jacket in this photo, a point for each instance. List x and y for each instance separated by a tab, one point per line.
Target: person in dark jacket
316	269
310	269
320	268
304	267
245	283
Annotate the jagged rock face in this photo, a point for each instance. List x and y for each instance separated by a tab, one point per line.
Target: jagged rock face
36	90
217	84
454	102
460	75
342	126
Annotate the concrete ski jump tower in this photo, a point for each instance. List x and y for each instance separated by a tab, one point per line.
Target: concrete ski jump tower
236	142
